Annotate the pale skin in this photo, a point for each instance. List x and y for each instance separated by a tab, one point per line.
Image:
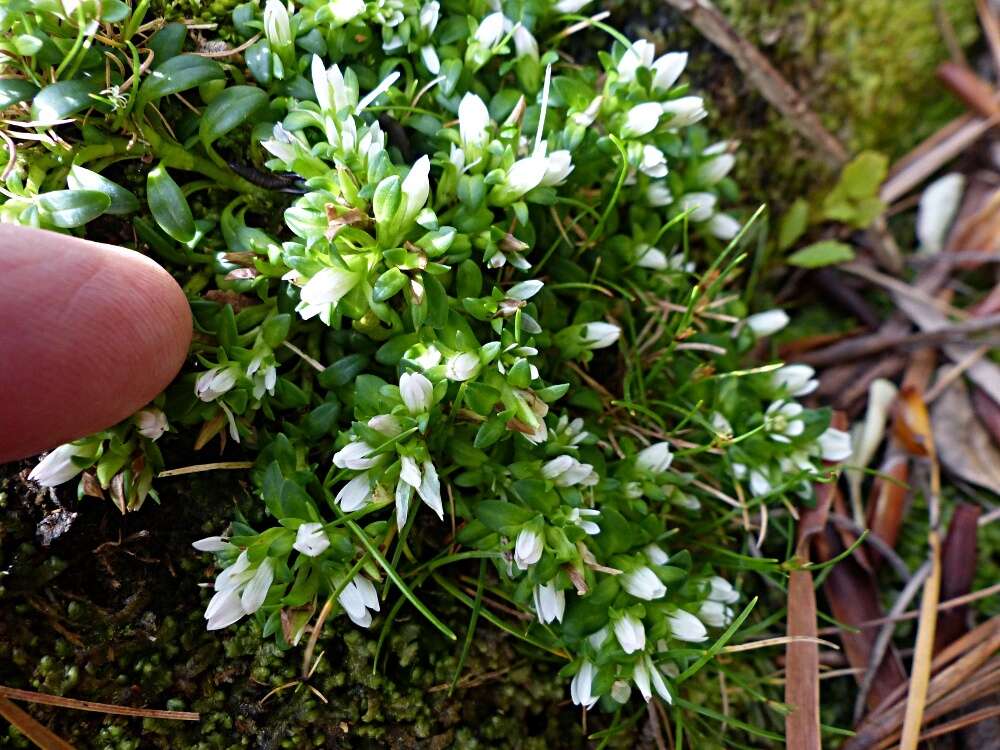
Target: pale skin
89	334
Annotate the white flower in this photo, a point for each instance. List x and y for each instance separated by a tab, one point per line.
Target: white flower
783	421
212	544
344	11
586	118
277	27
430	489
797	379
490	30
355	456
597	638
214	382
550	602
430	14
357	598
684	111
938	206
151	423
721	425
255	591
355	494
571	6
526	174
700	205
645	671
641	119
579	517
311	539
57	467
239	591
643	583
658	194
715	169
579	688
656	458
639	55
527	549
767	323
264	380
759	483
416	391
722	590
715	614
525	44
462	366
686	627
835	445
653	163
668	68
651	257
655	554
416	187
723	226
431	60
566	471
600	335
328	286
473	122
558	165
223	610
630	634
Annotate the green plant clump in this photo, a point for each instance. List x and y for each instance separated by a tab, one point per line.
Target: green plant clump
490	347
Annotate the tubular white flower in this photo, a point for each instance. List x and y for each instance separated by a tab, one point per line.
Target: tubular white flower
686	627
359	599
600	335
684	111
700	205
558	166
416	391
938	206
355	494
630	633
473	122
796	379
416	187
722	590
767	323
525	44
212	544
215	382
783	421
639	55
641	119
355	456
409	472
550	603
151	423
653	163
579	517
527	549
651	257
655	554
715	614
526	174
344	11
311	540
329	286
715	169
724	226
277	27
255	591
759	483
640	673
644	671
571	6
579	688
223	610
721	425
643	583
668	68
461	367
566	471
658	194
835	445
430	489
491	29
429	15
431	60
655	458
57	467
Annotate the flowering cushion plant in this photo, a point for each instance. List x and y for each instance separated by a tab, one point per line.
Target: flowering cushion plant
494	323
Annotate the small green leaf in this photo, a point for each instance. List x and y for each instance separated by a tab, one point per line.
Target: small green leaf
169	206
823	253
275	330
793	224
499	515
167	42
229	110
388	284
60	100
26	44
179	74
122	200
15	90
72	208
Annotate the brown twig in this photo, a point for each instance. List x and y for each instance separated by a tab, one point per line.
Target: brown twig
102	708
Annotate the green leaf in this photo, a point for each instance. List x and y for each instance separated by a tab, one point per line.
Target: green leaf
793	224
72	208
275	330
499	515
169	206
388	284
863	175
122	200
60	100
343	371
229	110
167	42
823	253
179	74
15	90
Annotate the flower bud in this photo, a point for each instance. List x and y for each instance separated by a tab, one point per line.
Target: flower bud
416	391
641	119
656	458
631	634
643	583
686	627
684	111
767	323
151	423
527	549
